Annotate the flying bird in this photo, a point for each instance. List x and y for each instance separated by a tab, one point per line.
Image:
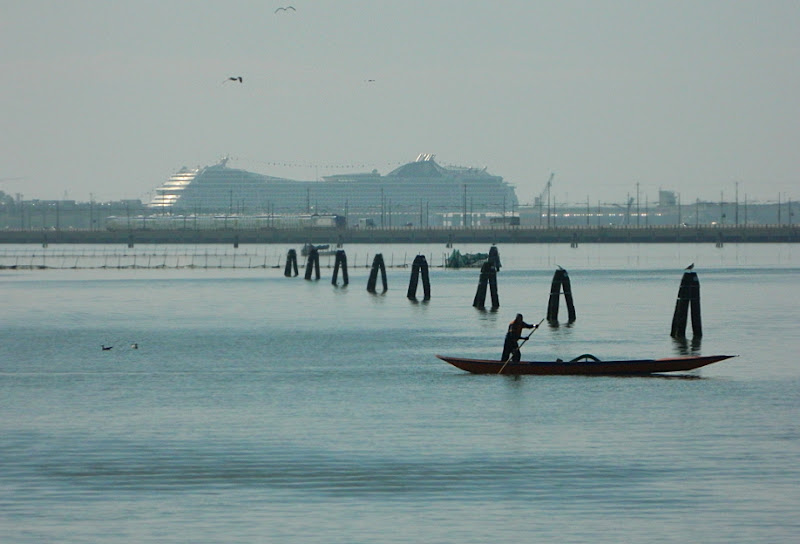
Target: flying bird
234	78
287	8
690	266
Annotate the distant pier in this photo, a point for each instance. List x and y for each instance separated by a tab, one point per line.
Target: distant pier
400	235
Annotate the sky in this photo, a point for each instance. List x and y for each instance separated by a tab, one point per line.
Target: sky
105	100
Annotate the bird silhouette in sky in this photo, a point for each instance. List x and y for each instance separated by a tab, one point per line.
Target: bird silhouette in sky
234	78
690	266
287	8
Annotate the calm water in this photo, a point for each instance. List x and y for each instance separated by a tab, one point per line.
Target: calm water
265	409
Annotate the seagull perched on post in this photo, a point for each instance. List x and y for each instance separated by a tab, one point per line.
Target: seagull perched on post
690	266
234	78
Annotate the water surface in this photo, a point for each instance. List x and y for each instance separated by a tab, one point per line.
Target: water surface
259	408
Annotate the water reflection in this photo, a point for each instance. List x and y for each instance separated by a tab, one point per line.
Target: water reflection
555	324
684	346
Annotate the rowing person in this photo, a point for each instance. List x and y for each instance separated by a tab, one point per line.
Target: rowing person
510	347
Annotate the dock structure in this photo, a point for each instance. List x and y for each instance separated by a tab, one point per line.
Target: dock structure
419	268
312	263
488	277
688	296
180	232
341	262
291	264
560	283
377	266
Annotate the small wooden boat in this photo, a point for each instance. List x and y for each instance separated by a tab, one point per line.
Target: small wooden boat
322	249
587	365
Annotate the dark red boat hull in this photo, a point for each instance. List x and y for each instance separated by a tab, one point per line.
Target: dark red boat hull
585	368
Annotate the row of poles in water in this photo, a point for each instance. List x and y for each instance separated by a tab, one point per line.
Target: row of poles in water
419	271
688	293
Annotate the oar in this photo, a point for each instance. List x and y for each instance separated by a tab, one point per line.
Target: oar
519	346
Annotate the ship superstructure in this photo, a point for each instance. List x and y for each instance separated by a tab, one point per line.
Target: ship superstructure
417	190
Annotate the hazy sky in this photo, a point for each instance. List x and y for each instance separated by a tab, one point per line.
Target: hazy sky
110	98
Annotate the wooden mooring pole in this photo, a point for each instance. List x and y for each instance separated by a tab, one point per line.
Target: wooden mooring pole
560	282
341	260
312	264
688	295
488	277
494	258
291	264
419	268
377	266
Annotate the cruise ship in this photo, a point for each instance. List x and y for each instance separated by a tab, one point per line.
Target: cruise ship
421	192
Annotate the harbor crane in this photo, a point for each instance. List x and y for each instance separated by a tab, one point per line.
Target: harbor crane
627	207
539	200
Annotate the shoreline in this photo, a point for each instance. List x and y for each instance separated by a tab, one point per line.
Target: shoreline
444	235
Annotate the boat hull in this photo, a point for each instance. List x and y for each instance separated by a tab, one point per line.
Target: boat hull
636	367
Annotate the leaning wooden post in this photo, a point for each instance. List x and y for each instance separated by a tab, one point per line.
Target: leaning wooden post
493	287
555	293
291	263
312	264
377	266
488	277
345	276
414	280
697	325
426	282
567	286
341	260
480	295
419	268
688	294
494	258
